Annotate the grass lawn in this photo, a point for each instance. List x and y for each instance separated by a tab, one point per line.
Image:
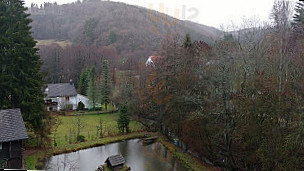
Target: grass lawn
66	131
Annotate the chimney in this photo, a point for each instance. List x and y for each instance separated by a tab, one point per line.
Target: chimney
71	82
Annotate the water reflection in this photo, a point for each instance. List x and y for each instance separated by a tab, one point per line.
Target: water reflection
153	157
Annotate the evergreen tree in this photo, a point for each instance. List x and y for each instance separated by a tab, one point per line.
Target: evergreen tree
89	29
187	41
127	92
124	120
93	87
21	81
106	84
84	81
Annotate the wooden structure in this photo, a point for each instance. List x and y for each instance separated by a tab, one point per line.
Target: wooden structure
115	162
150	140
12	133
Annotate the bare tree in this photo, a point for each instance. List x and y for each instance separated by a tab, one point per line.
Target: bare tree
99	128
57	123
78	124
281	15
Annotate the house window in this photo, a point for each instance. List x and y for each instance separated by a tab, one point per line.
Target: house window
0	146
67	98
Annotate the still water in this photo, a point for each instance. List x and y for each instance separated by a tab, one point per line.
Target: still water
153	157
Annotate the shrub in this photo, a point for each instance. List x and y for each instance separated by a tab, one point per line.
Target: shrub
66	106
2	164
80	138
80	106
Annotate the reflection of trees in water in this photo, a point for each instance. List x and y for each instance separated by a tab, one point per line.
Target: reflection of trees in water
158	157
158	152
73	165
153	157
162	152
123	147
65	164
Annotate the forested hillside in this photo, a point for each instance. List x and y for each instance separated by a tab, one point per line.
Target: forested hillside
103	23
90	31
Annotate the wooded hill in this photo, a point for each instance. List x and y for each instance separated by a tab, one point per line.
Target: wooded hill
131	30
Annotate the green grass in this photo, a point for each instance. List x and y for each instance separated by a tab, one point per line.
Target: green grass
87	112
67	131
125	167
32	161
110	107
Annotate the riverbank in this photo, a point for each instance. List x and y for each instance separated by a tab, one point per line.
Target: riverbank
36	159
189	161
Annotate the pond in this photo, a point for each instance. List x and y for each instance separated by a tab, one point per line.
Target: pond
153	157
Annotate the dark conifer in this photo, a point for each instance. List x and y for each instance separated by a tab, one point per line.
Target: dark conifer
106	84
21	81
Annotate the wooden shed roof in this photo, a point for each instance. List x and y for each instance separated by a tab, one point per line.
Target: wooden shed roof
116	160
12	126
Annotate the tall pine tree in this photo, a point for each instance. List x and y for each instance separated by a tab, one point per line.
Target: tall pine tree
106	84
93	87
20	79
84	81
124	119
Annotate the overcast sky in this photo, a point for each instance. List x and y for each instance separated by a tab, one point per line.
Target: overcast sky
214	13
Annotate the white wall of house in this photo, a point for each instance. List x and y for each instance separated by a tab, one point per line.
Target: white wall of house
74	100
83	99
62	101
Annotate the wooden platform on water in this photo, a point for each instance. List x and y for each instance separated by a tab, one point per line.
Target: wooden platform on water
149	140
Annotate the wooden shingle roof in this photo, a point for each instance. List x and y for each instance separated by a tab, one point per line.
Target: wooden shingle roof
11	125
116	160
61	90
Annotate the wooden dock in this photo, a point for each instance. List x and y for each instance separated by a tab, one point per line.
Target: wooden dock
149	140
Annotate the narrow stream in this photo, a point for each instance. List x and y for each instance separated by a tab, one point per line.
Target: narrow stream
153	157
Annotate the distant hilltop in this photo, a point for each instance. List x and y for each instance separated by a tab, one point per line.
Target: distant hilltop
110	23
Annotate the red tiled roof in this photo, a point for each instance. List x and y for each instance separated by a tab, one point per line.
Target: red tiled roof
152	59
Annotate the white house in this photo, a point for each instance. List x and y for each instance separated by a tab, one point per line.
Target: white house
63	96
152	60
